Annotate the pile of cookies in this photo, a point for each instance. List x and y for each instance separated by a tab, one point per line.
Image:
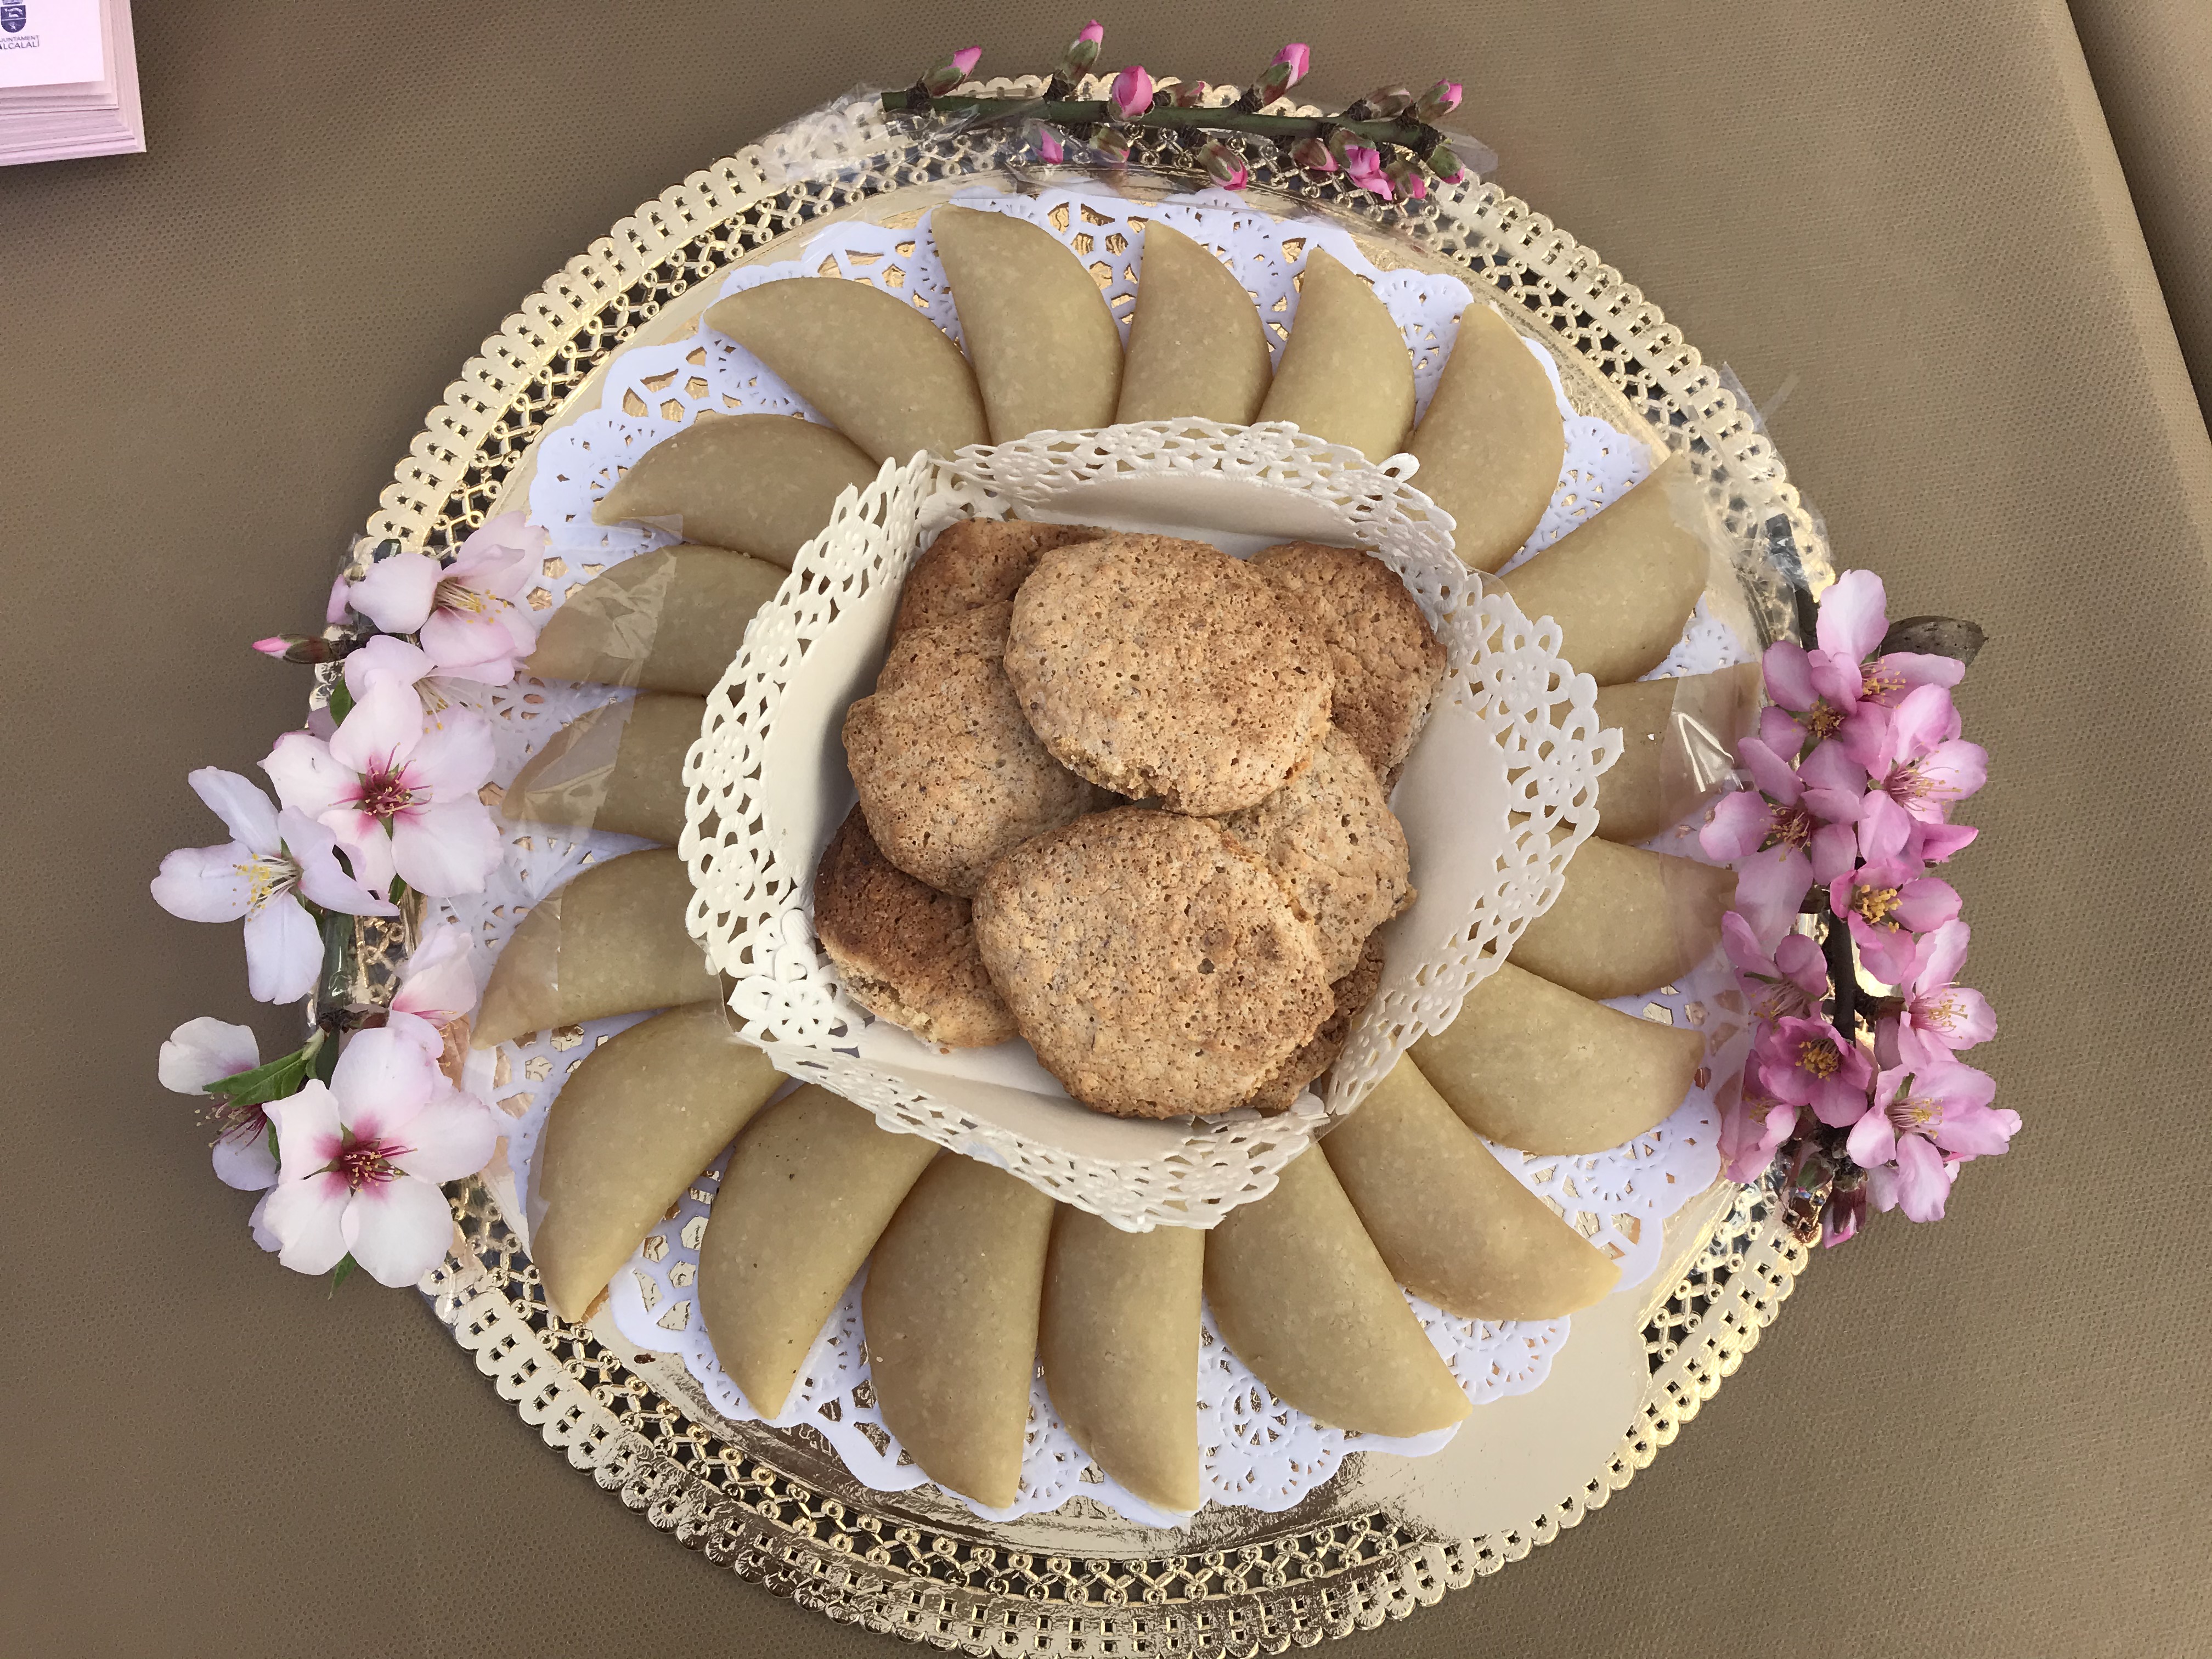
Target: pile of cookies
1126	797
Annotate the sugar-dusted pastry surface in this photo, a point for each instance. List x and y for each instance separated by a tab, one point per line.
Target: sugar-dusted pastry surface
1196	345
1453	1226
1386	658
668	620
951	775
1302	1296
1531	1064
1492	440
879	371
1156	666
977	563
1676	735
761	484
619	766
905	950
1331	840
1626	920
1157	970
1346	375
1621	585
950	1310
642	1114
612	941
1119	1340
807	1191
1047	351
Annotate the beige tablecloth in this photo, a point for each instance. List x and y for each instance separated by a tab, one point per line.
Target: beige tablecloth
1987	1437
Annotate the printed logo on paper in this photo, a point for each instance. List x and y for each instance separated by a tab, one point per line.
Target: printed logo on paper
12	17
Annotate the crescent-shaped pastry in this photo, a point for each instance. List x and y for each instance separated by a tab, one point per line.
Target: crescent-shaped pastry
1455	1227
808	1190
618	767
761	484
1531	1064
1346	376
611	942
638	1118
1492	440
1621	586
951	1312
1626	920
1196	346
1047	353
669	620
1679	736
879	371
1303	1297
1119	1339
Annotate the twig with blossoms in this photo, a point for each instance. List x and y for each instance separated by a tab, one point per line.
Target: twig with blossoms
1854	770
1387	143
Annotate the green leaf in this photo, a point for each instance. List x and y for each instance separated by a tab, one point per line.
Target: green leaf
274	1079
341	1273
341	699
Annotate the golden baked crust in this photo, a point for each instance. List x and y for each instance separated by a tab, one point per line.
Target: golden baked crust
905	951
1353	993
1160	667
1385	656
977	562
1157	970
950	777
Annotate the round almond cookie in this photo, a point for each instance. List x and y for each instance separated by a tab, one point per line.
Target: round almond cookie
1385	656
1157	968
1159	667
1353	993
977	562
905	950
1336	845
950	776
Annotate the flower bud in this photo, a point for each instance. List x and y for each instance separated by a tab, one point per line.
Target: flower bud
949	73
1046	141
1388	103
298	647
1312	155
1112	144
1224	164
1082	52
1446	166
1406	177
1188	94
1297	58
1438	102
1132	93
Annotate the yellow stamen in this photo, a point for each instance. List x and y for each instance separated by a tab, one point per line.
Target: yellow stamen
1875	903
1819	1058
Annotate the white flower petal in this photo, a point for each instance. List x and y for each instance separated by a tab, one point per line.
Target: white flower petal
245	1162
380	732
440	978
442	850
258	1225
307	1135
307	776
366	845
206	883
244	809
397	593
398	1230
284	951
314	848
307	1220
206	1050
384	661
382	1080
455	759
452	1137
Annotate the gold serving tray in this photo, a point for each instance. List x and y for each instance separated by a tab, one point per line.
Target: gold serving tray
775	1505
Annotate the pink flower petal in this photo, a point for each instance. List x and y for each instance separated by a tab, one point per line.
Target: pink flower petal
384	662
442	850
1954	770
1977	1131
1925	904
452	1137
1775	777
1922	1185
397	1231
206	883
307	776
1769	886
335	607
1873	1137
1780	732
307	1219
1739	826
383	1075
1959	1017
440	978
307	1129
313	847
454	758
1925	718
1934	843
1906	669
1788	672
204	1051
1834	852
1885	830
244	1161
380	733
244	809
366	845
1854	615
1941	955
283	951
397	593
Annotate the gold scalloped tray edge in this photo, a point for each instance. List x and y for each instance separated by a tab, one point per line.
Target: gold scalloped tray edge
1288	1584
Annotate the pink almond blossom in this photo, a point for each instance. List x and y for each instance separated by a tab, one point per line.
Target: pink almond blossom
1886	905
399	795
1890	834
1804	1063
363	1160
1777	839
1754	1125
1131	95
1049	146
468	614
1914	756
274	860
1937	1007
1788	984
1362	164
1925	1121
204	1051
1224	165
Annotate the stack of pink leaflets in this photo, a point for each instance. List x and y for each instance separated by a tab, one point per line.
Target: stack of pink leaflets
68	81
